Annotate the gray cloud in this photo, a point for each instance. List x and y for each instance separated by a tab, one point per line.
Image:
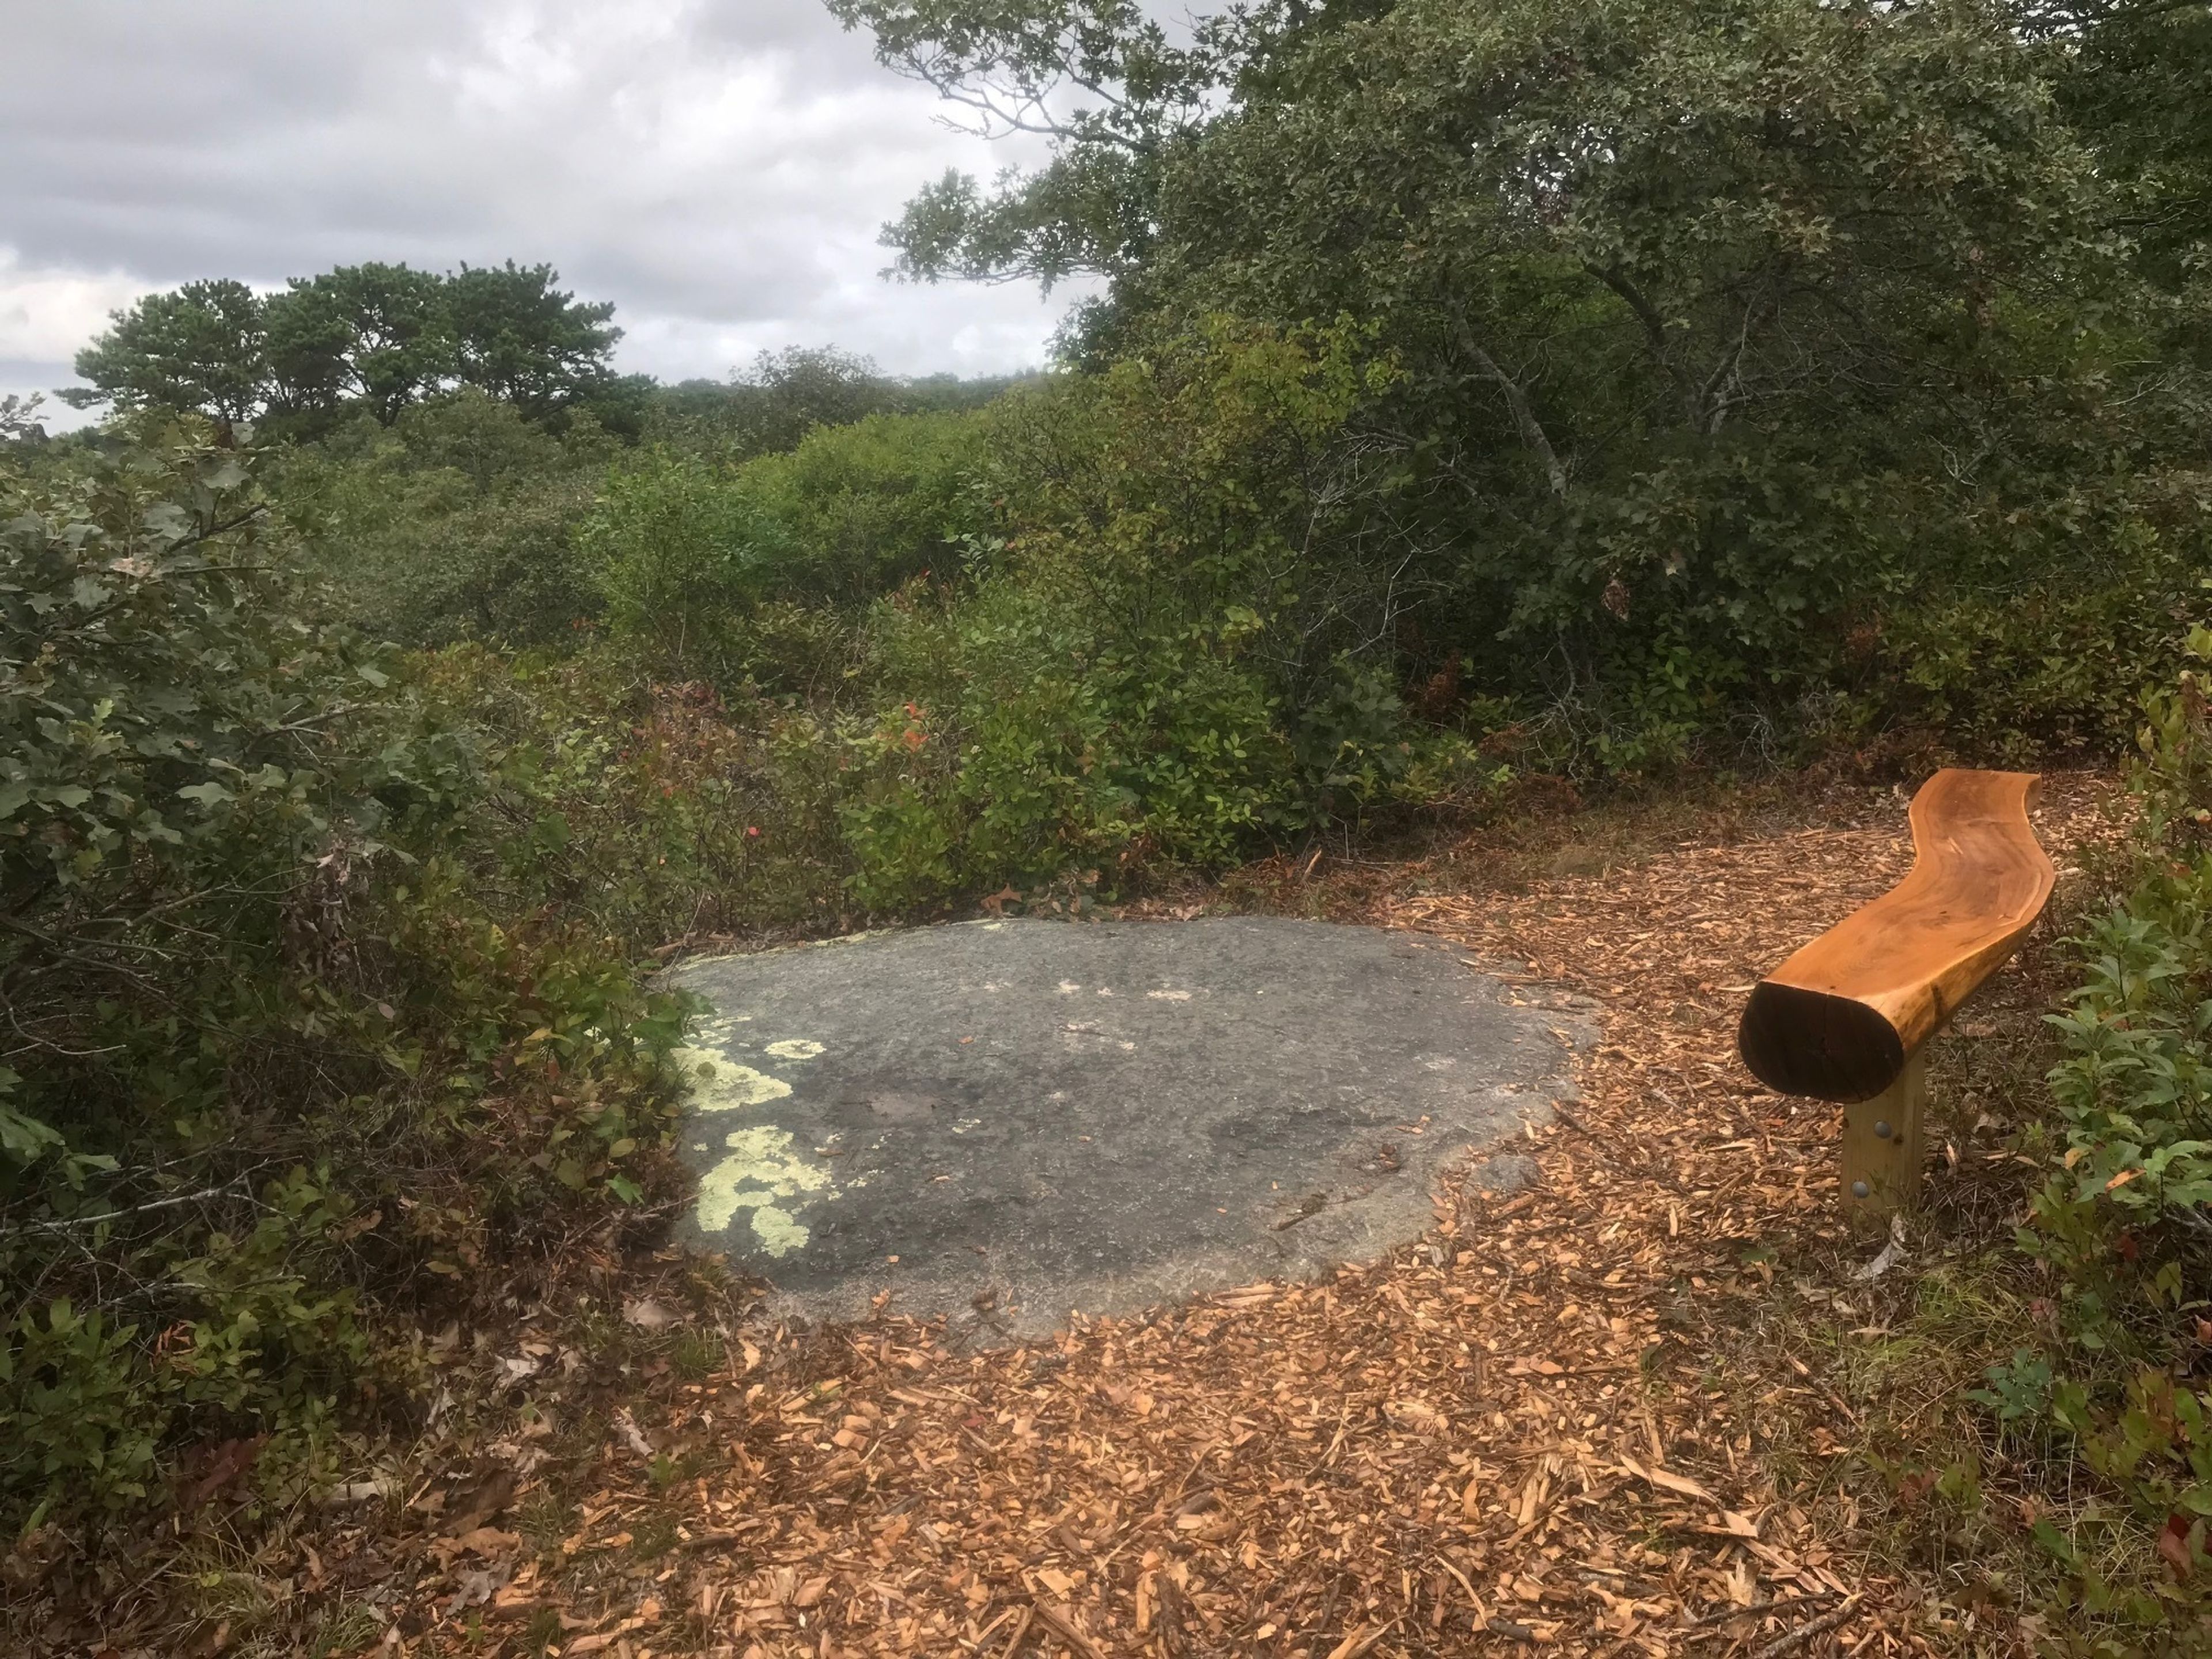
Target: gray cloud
719	168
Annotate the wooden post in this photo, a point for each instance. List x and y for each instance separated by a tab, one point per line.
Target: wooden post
1882	1145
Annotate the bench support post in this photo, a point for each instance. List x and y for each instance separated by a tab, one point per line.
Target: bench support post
1882	1146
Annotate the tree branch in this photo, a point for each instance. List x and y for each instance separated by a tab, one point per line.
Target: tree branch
1654	331
1712	404
1516	400
230	1189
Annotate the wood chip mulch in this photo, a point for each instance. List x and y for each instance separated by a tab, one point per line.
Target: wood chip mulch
1563	1420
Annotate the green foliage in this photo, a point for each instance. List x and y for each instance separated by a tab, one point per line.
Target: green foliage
2141	72
2068	612
1753	355
864	507
201	347
275	1071
457	521
2123	1225
1101	75
677	554
788	394
700	563
519	338
19	423
378	338
150	715
646	810
1687	327
2137	1090
377	333
1109	623
1167	648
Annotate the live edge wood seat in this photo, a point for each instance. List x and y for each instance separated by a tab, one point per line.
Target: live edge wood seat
1847	1017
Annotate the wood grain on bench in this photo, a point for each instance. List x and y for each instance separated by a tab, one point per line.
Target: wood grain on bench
1840	1018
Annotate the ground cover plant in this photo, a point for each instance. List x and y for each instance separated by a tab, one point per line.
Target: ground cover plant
2120	1230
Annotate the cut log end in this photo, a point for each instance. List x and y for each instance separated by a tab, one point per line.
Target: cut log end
1837	1020
1808	1042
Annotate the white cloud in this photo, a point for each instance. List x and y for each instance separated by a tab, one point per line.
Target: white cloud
719	168
45	314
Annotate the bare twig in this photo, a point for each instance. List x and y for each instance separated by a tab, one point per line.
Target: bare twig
1804	1633
229	1188
1778	1604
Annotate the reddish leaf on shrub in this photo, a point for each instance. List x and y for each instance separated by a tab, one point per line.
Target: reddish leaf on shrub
225	1463
2180	1550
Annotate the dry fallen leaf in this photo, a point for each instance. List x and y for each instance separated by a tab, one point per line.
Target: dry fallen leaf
1667	1480
478	1501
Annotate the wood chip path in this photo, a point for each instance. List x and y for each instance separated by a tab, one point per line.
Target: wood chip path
1566	1420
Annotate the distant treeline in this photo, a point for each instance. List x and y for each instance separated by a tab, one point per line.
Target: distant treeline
379	339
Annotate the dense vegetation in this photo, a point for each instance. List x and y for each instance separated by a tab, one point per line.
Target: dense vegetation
281	1064
1749	356
2122	1228
1605	389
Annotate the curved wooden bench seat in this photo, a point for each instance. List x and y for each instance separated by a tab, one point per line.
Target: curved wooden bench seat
1842	1019
1846	1018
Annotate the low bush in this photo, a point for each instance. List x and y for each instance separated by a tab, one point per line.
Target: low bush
279	1078
643	810
455	522
747	572
2123	1227
1107	623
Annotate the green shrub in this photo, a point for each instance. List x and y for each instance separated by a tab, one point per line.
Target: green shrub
2125	1226
866	508
455	522
1166	648
727	573
677	555
773	405
645	810
2067	609
280	1076
1117	620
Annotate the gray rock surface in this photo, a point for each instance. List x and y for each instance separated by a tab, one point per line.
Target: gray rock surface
1004	1121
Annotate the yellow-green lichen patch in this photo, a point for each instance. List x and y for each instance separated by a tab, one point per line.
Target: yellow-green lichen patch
720	1084
795	1049
761	1174
778	1233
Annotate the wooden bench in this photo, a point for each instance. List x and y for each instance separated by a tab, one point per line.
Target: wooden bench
1848	1017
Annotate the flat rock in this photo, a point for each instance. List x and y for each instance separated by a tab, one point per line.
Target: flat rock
1006	1121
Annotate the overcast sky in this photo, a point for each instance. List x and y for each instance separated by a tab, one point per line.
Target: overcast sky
718	169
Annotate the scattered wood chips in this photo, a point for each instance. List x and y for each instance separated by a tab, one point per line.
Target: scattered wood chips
1546	1424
